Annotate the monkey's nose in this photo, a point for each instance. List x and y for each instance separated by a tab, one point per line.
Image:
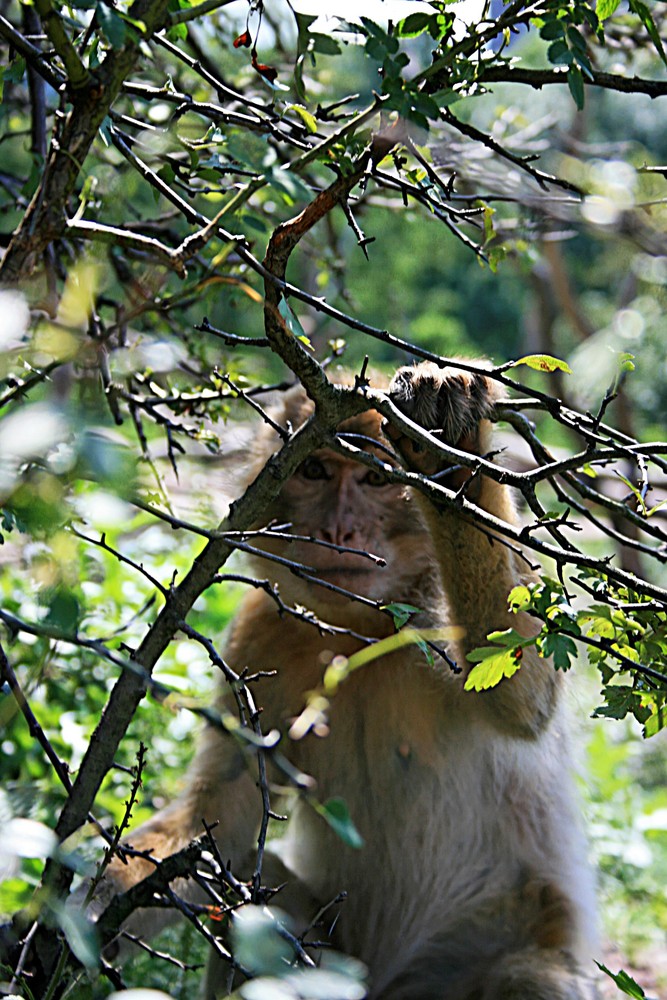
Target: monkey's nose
338	535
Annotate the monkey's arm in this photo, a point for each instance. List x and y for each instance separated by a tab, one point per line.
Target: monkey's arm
477	571
478	574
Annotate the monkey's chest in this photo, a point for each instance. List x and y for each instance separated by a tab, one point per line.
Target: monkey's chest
421	783
415	772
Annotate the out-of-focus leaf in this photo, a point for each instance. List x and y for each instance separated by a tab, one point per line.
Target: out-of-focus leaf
337	815
82	936
258	944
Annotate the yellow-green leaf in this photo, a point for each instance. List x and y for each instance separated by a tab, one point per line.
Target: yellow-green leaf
493	668
519	598
605	8
306	117
543	363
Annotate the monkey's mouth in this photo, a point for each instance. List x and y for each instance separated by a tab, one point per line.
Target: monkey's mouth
352	579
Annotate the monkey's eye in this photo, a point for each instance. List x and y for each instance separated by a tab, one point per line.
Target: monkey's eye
374	478
313	468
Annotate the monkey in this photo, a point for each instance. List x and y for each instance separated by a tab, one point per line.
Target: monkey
472	881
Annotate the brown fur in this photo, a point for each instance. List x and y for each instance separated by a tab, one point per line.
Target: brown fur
472	881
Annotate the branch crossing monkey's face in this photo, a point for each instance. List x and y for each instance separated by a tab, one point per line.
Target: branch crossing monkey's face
348	505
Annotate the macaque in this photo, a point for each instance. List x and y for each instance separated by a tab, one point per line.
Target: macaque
472	882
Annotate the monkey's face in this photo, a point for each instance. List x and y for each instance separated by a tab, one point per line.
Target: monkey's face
350	511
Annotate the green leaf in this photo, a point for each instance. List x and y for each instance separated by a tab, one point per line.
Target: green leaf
656	721
508	637
337	815
113	27
492	668
624	982
600	627
605	8
633	489
552	29
306	117
626	362
619	700
401	613
543	363
389	42
424	647
292	323
644	15
15	72
64	610
289	184
489	231
413	25
575	82
81	934
559	53
656	507
324	45
560	647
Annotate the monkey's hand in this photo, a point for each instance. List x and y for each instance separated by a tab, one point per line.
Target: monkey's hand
454	405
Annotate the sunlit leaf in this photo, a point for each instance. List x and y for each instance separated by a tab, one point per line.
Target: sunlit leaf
492	667
656	720
543	363
413	25
624	982
605	8
507	637
519	598
306	117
